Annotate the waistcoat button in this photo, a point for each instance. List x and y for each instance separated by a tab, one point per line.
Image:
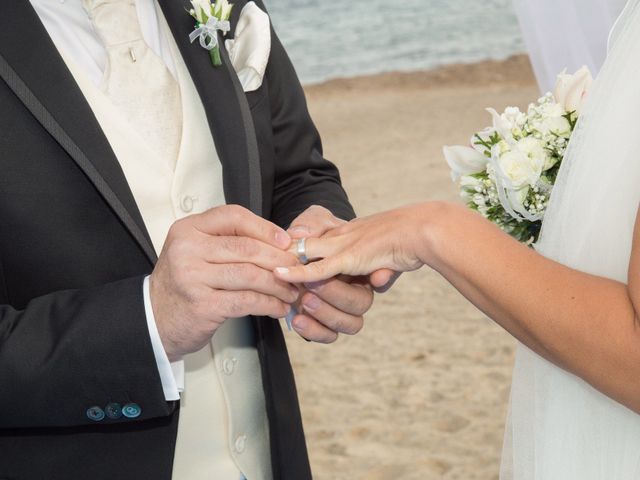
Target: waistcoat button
186	204
241	443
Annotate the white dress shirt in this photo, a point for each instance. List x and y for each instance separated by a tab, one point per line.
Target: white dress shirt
70	28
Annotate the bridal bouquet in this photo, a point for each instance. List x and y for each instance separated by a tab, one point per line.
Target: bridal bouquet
508	172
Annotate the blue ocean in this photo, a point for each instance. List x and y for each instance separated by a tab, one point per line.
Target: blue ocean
328	39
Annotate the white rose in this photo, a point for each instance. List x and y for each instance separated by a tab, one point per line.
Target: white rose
557	125
523	165
464	161
571	90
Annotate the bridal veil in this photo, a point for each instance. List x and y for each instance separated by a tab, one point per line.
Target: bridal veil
559	427
566	34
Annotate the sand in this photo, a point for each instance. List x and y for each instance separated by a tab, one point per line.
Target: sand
422	391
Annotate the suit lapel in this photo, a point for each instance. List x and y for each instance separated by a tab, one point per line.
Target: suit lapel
34	70
226	107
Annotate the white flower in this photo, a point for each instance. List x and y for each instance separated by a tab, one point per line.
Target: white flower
515	117
517	197
502	124
537	153
485	135
222	9
468	182
201	10
571	90
479	200
549	118
559	126
523	165
204	9
464	161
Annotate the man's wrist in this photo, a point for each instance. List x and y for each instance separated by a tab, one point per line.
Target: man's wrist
165	366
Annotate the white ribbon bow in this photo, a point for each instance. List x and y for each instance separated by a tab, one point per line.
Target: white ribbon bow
208	32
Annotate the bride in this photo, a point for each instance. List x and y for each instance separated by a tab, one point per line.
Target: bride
573	302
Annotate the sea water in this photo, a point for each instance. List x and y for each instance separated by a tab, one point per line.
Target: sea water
328	39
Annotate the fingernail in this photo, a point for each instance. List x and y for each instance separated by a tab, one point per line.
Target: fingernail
282	270
283	239
314	286
299	323
312	303
299	231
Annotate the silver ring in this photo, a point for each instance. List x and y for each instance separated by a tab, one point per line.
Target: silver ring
301	251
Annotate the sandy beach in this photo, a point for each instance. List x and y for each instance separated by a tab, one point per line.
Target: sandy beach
422	391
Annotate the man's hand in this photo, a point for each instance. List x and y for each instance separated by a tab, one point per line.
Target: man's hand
214	266
338	305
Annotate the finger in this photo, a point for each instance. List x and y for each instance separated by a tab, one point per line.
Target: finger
233	220
335	320
313	222
383	280
245	276
342	229
351	298
317	248
312	330
223	250
244	303
313	272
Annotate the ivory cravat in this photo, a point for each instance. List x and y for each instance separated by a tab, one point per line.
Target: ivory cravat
136	80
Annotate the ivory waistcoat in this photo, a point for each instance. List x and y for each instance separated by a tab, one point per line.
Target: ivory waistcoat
223	428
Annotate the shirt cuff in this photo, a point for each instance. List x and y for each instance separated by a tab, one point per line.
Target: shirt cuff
171	374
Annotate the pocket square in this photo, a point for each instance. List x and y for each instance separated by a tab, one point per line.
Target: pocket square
249	50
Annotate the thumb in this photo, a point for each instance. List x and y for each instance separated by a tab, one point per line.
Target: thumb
383	280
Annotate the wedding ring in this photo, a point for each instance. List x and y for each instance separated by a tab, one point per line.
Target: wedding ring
301	251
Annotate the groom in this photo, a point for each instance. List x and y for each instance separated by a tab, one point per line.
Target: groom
138	184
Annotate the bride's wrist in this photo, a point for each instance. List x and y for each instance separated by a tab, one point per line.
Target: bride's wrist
433	221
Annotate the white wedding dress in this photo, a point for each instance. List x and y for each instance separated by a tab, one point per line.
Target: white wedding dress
559	427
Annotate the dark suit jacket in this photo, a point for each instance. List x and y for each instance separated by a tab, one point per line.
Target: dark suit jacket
74	251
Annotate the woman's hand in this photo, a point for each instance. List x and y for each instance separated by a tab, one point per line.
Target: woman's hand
394	240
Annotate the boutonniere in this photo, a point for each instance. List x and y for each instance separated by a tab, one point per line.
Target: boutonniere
210	19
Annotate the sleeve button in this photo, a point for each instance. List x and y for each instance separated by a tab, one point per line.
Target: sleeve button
131	410
113	411
95	413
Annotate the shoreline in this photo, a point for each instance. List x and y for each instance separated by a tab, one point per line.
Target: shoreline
514	70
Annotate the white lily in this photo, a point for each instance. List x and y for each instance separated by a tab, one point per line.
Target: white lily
502	125
222	9
201	10
464	161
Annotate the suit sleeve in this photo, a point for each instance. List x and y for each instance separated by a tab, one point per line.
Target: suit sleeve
68	355
303	177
